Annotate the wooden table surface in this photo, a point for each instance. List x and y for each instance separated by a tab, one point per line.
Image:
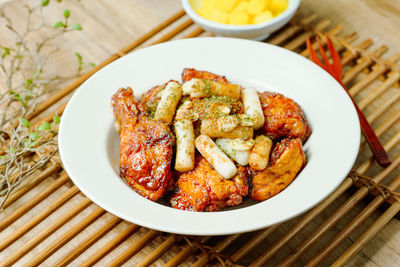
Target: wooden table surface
110	25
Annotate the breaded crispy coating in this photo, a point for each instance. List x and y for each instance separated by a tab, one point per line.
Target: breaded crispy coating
145	148
287	159
204	189
188	74
147	144
283	117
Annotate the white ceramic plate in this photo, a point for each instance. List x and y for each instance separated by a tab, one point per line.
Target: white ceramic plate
89	144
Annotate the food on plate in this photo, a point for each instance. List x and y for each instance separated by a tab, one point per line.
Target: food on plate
145	148
252	106
215	156
208	128
197	87
283	117
223	141
190	73
204	189
259	154
184	134
208	108
170	97
237	149
239	12
287	159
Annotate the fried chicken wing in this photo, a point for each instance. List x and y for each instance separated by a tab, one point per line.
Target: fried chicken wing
283	117
203	189
188	74
149	100
145	148
287	159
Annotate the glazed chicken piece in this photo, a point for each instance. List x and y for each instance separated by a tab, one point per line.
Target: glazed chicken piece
145	148
203	189
287	159
283	117
149	100
188	74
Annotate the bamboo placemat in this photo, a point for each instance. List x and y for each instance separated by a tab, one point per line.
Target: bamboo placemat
99	237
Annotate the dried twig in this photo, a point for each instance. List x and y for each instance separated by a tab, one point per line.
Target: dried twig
23	69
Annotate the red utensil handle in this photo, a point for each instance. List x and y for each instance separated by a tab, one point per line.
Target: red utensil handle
382	157
335	70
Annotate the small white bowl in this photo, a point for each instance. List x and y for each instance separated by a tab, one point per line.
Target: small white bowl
253	31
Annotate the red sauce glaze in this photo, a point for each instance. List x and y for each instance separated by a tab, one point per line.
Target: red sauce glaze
283	117
145	148
188	74
286	161
203	189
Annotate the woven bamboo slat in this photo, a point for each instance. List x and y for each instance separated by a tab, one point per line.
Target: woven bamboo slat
369	76
31	203
110	224
292	30
159	251
51	248
38	218
131	229
34	182
186	251
353	224
19	253
363	63
126	254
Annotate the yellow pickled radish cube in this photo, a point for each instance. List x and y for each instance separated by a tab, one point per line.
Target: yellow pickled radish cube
242	6
238	18
208	5
256	7
251	20
225	5
263	17
219	16
203	13
278	6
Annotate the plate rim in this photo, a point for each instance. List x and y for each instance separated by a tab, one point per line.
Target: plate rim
112	210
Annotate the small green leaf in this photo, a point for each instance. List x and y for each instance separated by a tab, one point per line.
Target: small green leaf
3	156
66	13
6	52
33	144
18	97
76	26
78	56
34	135
27	142
58	24
21	100
45	2
91	64
56	119
28	83
44	126
25	122
11	149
